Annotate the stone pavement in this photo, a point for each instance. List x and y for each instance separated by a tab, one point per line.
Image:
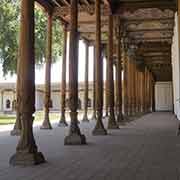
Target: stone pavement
145	149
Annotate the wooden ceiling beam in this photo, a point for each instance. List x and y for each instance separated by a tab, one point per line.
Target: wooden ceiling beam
144	19
86	2
151	30
162	39
45	5
120	7
66	2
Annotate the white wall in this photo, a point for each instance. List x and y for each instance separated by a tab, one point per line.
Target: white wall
39	100
176	70
55	97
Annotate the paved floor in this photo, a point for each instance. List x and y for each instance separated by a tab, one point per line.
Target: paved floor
145	149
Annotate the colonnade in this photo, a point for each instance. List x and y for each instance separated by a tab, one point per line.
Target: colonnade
134	94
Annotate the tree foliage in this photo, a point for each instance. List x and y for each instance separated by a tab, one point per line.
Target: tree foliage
9	35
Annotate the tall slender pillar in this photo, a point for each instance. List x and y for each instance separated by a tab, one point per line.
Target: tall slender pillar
133	88
110	88
136	84
144	91
94	87
148	91
86	84
74	137
129	87
27	151
119	80
62	122
153	95
47	99
17	127
141	91
106	90
125	84
138	88
99	128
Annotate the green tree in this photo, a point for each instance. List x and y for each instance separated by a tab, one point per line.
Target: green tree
9	30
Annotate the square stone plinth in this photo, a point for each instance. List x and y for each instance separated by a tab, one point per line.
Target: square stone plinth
75	139
26	159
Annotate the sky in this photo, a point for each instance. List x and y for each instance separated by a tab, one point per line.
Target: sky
57	69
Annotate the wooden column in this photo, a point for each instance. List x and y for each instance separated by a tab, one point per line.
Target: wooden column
148	91
86	84
47	99
138	88
99	128
153	95
111	120
26	151
141	92
129	87
74	137
133	88
106	90
144	91
119	80
125	84
94	87
62	122
136	82
17	127
151	89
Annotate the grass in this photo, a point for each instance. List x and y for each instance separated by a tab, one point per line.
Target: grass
6	119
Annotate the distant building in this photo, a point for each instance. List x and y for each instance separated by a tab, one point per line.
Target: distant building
8	97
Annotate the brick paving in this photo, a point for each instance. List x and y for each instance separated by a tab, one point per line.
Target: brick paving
145	149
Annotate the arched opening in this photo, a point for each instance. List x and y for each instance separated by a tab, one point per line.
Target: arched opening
8	104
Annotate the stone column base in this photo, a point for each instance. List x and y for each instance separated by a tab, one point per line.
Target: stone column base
121	120
15	132
62	124
75	139
26	159
126	118
85	119
112	122
99	132
113	126
122	123
93	118
46	125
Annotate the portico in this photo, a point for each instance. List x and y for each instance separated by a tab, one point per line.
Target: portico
135	36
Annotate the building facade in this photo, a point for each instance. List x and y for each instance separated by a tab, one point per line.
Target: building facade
8	97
